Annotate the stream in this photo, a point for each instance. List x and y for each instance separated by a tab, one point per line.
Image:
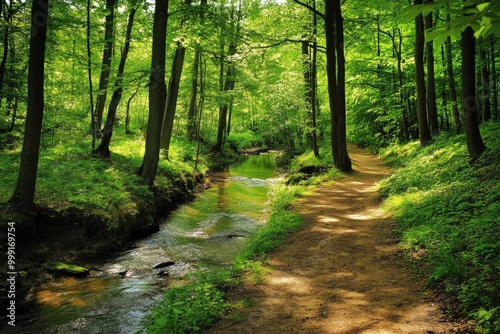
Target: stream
121	290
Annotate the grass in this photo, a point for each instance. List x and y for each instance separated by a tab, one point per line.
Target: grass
202	300
447	210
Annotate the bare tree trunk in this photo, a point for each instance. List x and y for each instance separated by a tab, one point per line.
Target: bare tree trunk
191	124
89	72
453	89
106	62
432	116
157	94
24	194
103	148
475	143
495	79
423	127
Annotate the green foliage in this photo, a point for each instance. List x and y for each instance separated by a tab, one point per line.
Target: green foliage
243	140
280	224
187	308
447	213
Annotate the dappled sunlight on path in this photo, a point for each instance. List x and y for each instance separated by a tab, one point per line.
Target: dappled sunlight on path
342	272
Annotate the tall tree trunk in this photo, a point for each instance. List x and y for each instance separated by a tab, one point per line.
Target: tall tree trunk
402	98
475	143
89	73
24	194
451	80
344	160
191	124
157	94
485	83
127	115
432	116
8	21
495	79
173	93
336	93
106	62
313	84
306	71
423	127
228	82
103	148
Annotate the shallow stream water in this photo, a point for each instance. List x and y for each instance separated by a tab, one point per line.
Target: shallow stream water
121	290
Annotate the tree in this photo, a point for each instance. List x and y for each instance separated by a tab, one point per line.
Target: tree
423	127
432	116
475	143
173	91
24	193
335	64
103	148
228	82
451	82
106	62
157	93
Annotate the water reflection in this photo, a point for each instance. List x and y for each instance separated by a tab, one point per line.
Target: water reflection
211	230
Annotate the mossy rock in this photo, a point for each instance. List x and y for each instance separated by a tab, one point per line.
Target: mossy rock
67	269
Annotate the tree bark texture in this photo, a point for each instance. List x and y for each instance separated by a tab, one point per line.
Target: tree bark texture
475	143
432	116
423	127
24	193
103	148
106	62
157	93
453	90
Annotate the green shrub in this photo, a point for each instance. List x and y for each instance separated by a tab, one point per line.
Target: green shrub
244	140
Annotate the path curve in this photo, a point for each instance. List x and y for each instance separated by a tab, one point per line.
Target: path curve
342	273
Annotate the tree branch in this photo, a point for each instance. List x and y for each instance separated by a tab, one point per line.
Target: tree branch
310	8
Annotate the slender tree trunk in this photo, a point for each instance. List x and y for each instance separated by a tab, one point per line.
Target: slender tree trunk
406	126
475	143
24	194
423	127
495	79
191	124
8	21
228	82
485	84
103	148
313	84
173	93
106	62
444	95
432	116
157	93
334	50
453	89
344	160
306	71
89	72
127	116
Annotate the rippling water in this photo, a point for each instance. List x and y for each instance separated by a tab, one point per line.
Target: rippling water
114	299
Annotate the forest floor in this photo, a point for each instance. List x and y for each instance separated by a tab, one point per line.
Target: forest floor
343	272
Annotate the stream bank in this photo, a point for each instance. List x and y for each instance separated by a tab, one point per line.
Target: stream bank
192	235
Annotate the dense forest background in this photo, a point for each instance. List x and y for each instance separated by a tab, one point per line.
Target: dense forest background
106	105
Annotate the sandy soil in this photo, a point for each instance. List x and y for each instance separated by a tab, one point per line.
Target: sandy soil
342	273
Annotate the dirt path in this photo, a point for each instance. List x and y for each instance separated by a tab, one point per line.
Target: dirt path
342	273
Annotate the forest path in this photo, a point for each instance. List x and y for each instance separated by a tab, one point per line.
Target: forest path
343	272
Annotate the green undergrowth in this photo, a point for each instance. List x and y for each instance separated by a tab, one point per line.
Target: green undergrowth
202	300
71	179
447	210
